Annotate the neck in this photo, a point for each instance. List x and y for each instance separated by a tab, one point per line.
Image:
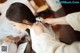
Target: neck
29	26
23	28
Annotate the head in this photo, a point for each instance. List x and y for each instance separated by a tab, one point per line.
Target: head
19	13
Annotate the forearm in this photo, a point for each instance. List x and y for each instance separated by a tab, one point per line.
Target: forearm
56	21
61	21
72	19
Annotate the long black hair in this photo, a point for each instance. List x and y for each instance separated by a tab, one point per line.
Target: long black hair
18	12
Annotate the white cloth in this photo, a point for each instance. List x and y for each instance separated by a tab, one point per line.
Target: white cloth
74	20
46	43
11	47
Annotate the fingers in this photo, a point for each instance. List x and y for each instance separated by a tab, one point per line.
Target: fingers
38	28
45	21
37	24
17	39
9	39
48	20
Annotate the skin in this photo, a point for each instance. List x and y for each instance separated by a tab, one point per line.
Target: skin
18	26
56	21
51	21
37	27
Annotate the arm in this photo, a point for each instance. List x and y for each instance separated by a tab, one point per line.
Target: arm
12	39
72	19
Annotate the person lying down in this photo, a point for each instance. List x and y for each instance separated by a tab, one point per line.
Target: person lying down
21	17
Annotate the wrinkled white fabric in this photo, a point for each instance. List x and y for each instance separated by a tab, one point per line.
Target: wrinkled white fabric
11	47
47	43
74	20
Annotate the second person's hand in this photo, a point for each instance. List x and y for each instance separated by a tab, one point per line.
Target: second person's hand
56	21
38	29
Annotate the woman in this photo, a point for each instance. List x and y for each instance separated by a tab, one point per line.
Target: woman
42	42
21	17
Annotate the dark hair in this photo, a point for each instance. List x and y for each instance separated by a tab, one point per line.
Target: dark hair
18	12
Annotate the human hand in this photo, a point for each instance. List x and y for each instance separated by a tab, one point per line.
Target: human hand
50	21
38	29
12	39
56	21
9	39
16	39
